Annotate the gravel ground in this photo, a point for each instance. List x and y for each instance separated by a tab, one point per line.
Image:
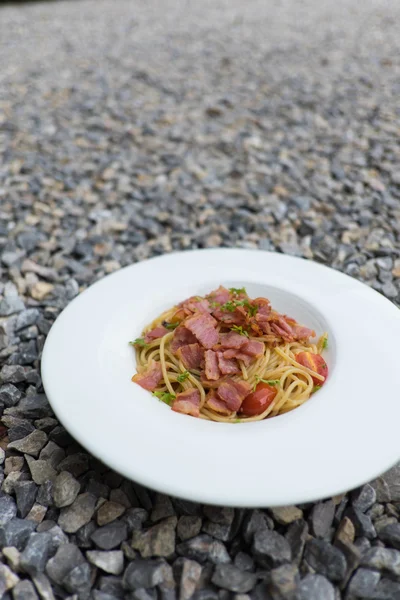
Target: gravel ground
130	129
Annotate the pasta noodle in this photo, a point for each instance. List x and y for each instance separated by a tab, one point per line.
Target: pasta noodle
278	366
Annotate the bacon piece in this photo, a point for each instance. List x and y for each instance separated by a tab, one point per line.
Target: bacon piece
216	404
239	355
150	378
187	402
278	330
196	304
302	333
232	340
210	383
264	309
228	366
203	327
191	355
233	393
237	317
253	348
155	333
182	337
221	295
212	369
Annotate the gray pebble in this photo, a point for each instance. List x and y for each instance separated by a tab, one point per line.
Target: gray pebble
203	548
36	553
231	578
362	523
66	558
11	305
316	587
135	518
9	394
159	540
110	536
325	559
8	509
188	527
384	559
321	518
24	590
77	514
363	583
364	498
110	562
65	489
16	533
283	582
41	470
143	574
26	318
31	444
390	535
271	549
76	464
25	492
79	580
296	535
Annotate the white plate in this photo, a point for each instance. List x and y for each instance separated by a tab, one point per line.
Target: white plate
342	437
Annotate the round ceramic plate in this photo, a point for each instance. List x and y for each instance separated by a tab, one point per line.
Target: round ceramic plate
345	435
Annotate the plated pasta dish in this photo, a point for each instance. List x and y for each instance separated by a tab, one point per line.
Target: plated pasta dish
230	358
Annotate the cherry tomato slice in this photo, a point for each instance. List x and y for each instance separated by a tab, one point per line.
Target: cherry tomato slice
315	362
259	400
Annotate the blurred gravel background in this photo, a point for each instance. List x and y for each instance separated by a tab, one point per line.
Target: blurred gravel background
130	129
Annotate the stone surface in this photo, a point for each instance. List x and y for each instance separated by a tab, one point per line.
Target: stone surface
110	562
67	557
271	549
144	574
79	513
132	132
24	590
286	514
108	512
65	489
325	559
36	552
384	559
203	548
110	536
316	587
16	533
159	540
233	579
321	518
189	580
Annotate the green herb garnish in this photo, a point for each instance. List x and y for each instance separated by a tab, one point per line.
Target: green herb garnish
199	298
171	325
238	291
237	421
316	388
215	304
230	306
252	310
325	343
139	342
239	330
164	397
183	376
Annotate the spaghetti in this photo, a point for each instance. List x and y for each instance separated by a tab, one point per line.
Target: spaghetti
225	357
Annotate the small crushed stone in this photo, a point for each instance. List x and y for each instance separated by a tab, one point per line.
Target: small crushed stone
133	129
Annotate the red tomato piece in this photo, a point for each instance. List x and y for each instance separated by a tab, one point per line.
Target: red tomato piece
315	362
259	400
